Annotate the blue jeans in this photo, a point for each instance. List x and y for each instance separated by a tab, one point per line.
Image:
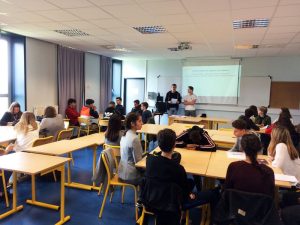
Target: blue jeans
172	111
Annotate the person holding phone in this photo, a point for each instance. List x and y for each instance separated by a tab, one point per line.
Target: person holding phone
173	99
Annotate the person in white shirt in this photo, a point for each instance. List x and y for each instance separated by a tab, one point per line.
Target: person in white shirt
189	101
27	130
283	153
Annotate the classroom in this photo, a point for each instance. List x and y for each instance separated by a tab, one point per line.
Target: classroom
165	112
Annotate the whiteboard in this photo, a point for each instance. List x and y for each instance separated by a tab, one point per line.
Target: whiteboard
164	84
255	90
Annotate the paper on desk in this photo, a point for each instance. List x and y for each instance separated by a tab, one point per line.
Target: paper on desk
236	155
174	100
283	177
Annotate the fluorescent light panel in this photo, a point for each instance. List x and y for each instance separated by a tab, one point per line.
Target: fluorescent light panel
239	24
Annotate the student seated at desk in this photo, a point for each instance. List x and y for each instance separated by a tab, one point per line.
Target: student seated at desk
119	107
146	114
52	122
196	138
248	175
137	107
131	150
283	153
255	112
12	116
71	112
114	133
239	130
166	189
89	110
284	121
27	130
263	119
110	110
247	118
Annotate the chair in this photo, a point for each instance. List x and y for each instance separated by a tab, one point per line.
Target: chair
113	180
66	135
84	124
4	188
43	141
244	208
140	220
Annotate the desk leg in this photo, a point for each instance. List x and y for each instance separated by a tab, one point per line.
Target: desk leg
73	184
15	208
94	187
63	218
4	188
33	196
145	150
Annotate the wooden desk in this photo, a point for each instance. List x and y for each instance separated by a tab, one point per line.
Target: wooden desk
67	147
224	139
219	163
194	162
151	128
34	164
181	127
7	134
208	122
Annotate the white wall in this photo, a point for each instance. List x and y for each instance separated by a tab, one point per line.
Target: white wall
280	68
41	73
92	77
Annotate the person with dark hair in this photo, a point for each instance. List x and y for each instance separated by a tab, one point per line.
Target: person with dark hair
248	120
263	119
284	120
131	150
196	139
137	107
146	115
12	116
173	99
72	113
255	112
51	123
119	107
189	102
248	175
89	110
110	110
114	133
167	183
239	129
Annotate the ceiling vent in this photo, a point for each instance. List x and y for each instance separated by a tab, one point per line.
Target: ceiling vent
240	24
72	33
181	47
150	29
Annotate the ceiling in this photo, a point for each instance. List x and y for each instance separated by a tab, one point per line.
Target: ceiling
207	24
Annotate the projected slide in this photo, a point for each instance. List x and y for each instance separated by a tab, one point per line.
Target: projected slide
216	84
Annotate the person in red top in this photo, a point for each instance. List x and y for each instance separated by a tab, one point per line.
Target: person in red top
71	112
89	110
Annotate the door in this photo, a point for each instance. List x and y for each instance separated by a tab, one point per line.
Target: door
134	89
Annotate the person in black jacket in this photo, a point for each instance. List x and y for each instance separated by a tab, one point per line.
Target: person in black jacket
119	107
146	115
166	188
247	118
173	99
137	107
110	110
12	116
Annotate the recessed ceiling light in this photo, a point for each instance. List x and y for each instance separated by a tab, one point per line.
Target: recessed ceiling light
3	14
239	24
150	29
115	48
246	46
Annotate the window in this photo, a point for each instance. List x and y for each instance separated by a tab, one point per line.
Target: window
12	71
4	75
117	78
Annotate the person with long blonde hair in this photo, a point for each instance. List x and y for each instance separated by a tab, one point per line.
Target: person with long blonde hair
283	153
27	130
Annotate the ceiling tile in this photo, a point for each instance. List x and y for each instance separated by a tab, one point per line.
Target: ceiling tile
208	17
126	11
254	13
238	4
181	28
296	39
112	2
289	2
268	51
107	23
206	5
69	4
80	24
276	41
175	19
33	4
288	10
285	21
28	17
279	35
163	7
89	13
283	29
58	15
